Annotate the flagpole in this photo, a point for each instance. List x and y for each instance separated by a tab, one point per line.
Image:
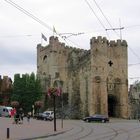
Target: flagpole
41	39
53	30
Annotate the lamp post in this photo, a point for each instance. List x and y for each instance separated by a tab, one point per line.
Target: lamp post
59	84
54	92
62	111
54	113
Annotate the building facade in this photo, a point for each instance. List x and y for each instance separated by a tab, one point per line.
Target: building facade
98	75
134	101
5	90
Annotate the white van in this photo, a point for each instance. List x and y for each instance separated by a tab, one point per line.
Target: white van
5	111
48	115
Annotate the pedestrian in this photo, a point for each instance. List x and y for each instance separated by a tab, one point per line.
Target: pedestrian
16	118
28	118
22	115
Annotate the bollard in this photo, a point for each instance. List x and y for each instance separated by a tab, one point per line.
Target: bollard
8	133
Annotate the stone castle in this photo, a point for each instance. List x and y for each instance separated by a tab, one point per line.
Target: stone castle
99	75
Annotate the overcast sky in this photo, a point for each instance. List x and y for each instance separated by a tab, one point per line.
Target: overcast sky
20	34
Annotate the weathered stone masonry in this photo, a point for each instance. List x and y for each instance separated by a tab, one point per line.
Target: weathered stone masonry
99	74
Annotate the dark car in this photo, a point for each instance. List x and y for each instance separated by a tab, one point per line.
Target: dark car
96	118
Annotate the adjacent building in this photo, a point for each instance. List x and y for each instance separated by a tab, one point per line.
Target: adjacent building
5	90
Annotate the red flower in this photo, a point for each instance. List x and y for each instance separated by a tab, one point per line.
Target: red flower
54	91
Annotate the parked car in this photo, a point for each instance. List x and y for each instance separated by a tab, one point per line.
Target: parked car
96	118
47	115
5	111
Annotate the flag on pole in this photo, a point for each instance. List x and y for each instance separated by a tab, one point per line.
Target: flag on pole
54	31
44	37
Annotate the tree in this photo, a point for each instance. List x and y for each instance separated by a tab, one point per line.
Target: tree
26	90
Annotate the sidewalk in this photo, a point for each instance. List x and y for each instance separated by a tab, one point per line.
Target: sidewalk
34	129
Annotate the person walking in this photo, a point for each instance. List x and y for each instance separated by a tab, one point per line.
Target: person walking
28	118
22	115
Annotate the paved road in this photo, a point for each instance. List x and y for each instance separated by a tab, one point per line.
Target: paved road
72	130
27	131
115	130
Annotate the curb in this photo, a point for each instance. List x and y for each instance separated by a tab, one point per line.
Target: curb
46	136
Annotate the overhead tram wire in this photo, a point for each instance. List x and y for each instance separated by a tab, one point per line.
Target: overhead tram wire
95	14
34	18
28	14
114	29
132	26
134	53
97	17
133	64
15	36
107	21
40	21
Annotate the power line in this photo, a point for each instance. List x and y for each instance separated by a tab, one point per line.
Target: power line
105	17
47	26
95	14
134	77
14	36
132	26
133	64
67	35
29	14
38	20
115	28
134	53
97	17
34	17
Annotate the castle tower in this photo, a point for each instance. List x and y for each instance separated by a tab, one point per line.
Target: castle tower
51	62
109	77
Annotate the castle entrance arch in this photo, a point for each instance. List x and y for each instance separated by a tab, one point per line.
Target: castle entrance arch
112	105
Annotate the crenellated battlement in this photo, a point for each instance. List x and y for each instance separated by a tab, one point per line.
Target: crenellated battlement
56	45
102	40
53	40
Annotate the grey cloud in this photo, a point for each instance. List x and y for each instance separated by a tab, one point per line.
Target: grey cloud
16	57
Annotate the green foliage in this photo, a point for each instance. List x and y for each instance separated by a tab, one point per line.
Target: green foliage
26	90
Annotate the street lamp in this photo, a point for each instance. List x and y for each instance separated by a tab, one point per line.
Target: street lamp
59	84
54	92
62	111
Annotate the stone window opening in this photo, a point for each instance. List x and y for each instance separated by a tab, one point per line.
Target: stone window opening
45	58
